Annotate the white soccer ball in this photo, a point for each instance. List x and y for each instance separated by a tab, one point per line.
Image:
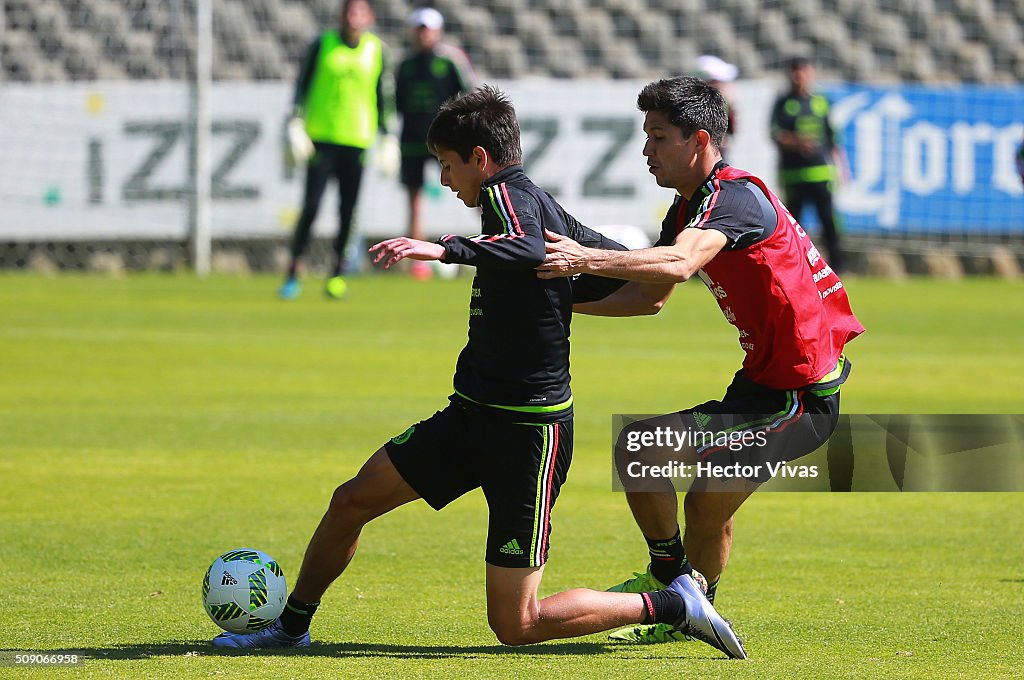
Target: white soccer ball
632	237
445	270
244	590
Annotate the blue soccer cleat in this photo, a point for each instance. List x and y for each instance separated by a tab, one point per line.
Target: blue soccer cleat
270	637
290	289
700	620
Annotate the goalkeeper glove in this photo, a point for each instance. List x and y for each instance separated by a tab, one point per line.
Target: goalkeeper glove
300	147
388	155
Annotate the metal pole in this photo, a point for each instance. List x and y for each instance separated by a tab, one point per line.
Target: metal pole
3	36
200	217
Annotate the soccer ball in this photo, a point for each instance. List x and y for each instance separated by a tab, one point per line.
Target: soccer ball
445	270
244	590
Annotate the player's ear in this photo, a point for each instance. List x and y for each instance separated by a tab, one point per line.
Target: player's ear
703	138
480	157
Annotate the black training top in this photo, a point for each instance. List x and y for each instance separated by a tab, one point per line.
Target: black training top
808	117
517	359
425	80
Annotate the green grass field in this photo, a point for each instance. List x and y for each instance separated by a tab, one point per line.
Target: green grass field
148	424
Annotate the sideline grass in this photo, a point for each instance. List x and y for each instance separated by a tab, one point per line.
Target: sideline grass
148	424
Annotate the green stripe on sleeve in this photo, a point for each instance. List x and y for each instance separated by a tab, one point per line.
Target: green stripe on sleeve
494	203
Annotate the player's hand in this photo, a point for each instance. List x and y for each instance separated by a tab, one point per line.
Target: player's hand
300	146
806	147
394	250
565	257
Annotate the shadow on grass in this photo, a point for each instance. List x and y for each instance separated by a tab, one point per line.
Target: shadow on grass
342	650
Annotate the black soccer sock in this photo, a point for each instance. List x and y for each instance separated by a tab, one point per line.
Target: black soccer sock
712	588
668	558
296	616
663	606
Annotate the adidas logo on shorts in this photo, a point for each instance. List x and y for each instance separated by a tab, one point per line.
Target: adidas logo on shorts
511	548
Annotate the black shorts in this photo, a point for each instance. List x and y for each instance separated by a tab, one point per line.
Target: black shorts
412	169
790	423
749	430
520	468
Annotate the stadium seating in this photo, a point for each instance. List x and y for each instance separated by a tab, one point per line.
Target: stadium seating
929	41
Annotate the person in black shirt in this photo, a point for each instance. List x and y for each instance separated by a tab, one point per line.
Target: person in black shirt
508	427
809	154
432	74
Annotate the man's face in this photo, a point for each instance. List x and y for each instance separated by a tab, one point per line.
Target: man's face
357	16
671	158
802	77
462	177
426	38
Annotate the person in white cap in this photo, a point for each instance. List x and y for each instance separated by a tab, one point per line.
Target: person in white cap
430	75
720	74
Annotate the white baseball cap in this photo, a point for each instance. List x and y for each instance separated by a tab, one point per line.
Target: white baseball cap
714	68
427	17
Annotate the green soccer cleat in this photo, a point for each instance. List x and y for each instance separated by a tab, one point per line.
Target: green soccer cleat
649	634
335	288
640	583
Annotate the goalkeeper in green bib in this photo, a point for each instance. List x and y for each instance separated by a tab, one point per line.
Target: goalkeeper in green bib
339	108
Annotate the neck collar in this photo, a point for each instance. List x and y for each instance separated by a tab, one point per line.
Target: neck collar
707	186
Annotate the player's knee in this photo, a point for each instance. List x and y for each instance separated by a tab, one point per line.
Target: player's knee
511	632
693	510
341	501
629	444
635	454
512	625
347	502
360	499
702	519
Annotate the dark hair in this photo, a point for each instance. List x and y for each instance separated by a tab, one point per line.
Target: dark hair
691	104
484	117
799	61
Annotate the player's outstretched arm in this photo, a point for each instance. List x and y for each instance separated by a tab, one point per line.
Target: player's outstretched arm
676	263
392	251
